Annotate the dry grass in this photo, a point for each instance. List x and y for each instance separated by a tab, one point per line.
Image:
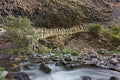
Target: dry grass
46	32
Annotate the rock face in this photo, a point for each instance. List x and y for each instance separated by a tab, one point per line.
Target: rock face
59	13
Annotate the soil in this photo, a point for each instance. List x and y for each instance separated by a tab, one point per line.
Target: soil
77	41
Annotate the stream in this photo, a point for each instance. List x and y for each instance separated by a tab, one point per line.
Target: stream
58	73
89	66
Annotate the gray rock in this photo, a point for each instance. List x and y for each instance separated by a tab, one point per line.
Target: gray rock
43	67
94	61
86	78
26	67
17	76
114	61
114	78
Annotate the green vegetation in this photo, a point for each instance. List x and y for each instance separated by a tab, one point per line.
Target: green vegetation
102	51
106	52
43	51
113	37
115	51
21	33
57	52
114	34
95	29
65	51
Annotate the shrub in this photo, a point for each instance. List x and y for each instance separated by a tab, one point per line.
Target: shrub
43	51
114	37
115	51
115	30
102	51
71	52
94	28
20	31
114	34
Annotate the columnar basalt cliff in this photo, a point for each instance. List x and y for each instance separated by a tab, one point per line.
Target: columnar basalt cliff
59	13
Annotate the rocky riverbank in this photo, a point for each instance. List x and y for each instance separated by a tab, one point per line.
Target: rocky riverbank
66	62
88	59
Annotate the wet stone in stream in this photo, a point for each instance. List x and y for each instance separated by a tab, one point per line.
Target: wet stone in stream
17	76
43	67
86	78
114	78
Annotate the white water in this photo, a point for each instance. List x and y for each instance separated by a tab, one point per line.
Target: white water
59	74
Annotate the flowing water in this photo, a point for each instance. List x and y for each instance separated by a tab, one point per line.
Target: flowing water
59	74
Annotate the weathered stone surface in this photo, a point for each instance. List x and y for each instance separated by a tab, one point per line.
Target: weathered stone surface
60	13
44	68
86	78
114	61
114	78
17	76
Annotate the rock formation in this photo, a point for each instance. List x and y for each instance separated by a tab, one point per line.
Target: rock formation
59	13
62	14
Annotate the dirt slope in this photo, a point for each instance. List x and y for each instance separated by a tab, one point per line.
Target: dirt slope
59	13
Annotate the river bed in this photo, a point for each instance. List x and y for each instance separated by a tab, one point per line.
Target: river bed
78	74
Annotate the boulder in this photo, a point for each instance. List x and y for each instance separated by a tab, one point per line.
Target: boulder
4	73
114	61
61	63
14	69
26	67
94	61
17	76
43	67
67	59
86	78
113	78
